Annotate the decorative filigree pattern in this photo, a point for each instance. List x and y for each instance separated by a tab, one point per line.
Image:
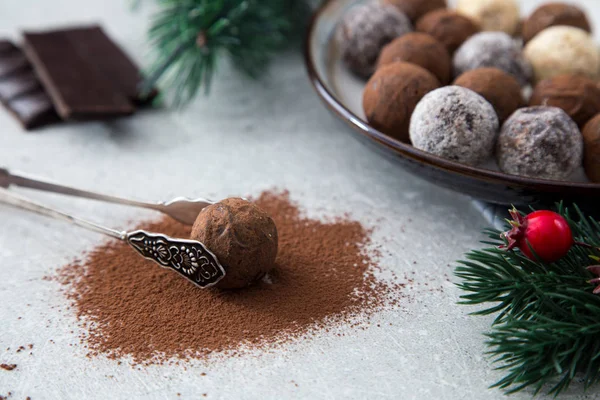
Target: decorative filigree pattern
188	257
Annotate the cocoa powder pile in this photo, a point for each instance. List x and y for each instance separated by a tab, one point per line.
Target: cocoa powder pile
131	307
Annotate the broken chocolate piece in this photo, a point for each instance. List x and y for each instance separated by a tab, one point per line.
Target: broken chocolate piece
77	88
20	89
18	84
33	110
102	52
12	62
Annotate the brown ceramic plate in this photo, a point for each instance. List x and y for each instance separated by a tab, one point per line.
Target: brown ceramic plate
342	94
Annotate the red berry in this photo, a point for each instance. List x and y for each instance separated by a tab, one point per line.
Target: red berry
547	232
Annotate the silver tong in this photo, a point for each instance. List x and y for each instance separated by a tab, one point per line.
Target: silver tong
189	258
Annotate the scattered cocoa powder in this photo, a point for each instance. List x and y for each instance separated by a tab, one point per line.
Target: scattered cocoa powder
130	307
8	367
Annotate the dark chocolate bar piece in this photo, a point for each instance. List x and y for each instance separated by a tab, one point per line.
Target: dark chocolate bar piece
20	89
77	88
98	49
33	109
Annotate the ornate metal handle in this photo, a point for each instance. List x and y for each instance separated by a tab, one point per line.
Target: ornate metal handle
187	257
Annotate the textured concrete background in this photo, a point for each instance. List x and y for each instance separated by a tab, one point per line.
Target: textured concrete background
245	138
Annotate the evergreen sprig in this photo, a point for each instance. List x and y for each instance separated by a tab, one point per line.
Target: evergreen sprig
548	325
189	36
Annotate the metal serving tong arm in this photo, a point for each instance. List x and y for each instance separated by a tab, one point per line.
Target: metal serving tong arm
181	209
189	258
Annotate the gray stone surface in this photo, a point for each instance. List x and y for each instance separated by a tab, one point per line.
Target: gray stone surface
245	138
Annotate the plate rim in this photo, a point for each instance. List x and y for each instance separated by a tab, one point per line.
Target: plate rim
409	152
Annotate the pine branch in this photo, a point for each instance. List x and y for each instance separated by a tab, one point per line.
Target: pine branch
190	36
548	323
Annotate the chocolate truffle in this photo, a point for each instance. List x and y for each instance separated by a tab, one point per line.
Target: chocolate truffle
492	15
540	142
496	50
415	9
501	90
577	95
448	27
563	50
455	123
242	236
591	139
392	94
422	50
365	30
553	14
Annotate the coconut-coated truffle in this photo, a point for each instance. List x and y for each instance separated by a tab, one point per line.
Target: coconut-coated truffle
242	236
540	142
500	89
492	15
415	9
419	49
392	94
554	14
563	50
578	96
448	27
455	123
365	30
496	50
591	139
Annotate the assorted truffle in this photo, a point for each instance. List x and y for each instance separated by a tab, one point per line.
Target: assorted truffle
554	14
455	123
501	90
415	9
540	142
578	96
422	50
448	27
591	139
492	15
365	30
242	236
479	45
563	50
496	50
391	95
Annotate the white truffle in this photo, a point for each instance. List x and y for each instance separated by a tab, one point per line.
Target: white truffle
365	30
455	123
493	50
540	142
492	15
563	50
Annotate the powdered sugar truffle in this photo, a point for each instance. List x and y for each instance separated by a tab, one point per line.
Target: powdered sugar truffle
455	123
493	49
541	142
365	30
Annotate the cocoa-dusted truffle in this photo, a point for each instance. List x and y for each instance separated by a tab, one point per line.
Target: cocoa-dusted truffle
392	94
540	142
553	14
496	50
242	236
591	139
365	30
448	27
455	123
501	90
577	95
492	15
419	49
563	50
415	9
